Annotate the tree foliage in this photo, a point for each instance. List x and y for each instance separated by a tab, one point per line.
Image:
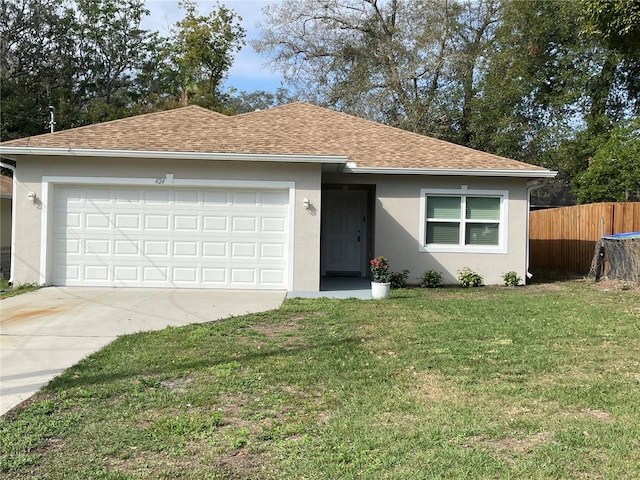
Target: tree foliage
202	50
614	172
617	22
544	81
408	64
92	61
550	82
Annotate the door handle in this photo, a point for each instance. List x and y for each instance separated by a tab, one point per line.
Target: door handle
358	236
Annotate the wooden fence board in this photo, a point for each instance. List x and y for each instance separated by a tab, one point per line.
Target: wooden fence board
564	238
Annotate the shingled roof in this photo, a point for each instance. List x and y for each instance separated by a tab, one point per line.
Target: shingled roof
293	129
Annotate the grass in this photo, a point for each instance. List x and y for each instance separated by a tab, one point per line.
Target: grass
7	290
527	382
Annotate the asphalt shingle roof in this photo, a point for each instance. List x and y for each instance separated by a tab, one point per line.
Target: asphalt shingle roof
294	129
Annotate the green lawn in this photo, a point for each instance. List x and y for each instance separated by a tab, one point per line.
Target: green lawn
493	382
8	291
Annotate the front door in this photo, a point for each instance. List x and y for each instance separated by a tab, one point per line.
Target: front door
344	232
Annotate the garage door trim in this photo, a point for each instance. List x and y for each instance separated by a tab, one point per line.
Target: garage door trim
168	180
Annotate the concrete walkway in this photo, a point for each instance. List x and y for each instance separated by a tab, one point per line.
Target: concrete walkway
47	331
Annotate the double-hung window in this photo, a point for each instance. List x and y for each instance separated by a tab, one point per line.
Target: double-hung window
463	220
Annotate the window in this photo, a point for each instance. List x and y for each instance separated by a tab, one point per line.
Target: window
463	220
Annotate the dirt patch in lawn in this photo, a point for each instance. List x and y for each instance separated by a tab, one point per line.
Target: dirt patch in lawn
430	386
240	464
507	448
286	334
607	285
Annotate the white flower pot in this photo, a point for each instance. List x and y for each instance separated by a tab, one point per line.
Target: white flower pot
380	290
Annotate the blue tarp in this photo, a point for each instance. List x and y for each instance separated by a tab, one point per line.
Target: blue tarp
621	236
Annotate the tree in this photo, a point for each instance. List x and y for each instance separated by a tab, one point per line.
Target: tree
244	102
408	64
93	62
34	62
551	96
109	47
614	172
617	22
201	51
79	57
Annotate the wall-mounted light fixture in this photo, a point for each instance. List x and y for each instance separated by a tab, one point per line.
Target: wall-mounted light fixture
32	197
305	203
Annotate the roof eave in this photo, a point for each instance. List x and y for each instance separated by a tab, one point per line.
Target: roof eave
467	172
12	152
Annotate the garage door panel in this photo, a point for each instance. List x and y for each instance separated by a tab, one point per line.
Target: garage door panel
185	249
214	249
126	247
155	274
98	273
272	250
244	224
273	225
188	223
127	196
97	247
99	195
214	276
72	220
271	277
186	197
243	250
127	221
215	224
279	198
244	198
156	248
126	274
216	198
156	222
157	196
97	220
130	236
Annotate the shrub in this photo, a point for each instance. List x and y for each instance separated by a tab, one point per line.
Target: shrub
431	279
511	279
469	278
379	269
399	279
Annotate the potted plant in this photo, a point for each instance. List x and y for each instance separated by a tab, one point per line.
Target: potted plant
380	284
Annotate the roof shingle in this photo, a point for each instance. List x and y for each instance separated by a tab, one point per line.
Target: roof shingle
293	129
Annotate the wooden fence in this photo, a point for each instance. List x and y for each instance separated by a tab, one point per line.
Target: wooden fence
565	238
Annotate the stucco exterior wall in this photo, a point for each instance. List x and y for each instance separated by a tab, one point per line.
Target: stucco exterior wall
397	225
31	170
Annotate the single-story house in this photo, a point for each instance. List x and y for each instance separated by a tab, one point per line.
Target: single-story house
272	199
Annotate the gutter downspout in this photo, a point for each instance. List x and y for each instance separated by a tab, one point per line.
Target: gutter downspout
531	186
13	219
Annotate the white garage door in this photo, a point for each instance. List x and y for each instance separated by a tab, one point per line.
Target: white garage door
170	237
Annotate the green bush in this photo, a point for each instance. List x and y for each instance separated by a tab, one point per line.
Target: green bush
431	279
399	279
511	279
469	278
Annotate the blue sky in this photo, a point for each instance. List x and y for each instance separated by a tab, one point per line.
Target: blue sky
248	72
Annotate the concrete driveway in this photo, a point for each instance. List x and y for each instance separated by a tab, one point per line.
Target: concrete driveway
47	331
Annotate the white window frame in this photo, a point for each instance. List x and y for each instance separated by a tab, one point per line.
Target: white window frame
463	192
